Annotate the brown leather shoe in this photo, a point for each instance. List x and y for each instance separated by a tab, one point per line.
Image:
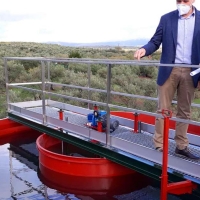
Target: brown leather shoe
187	153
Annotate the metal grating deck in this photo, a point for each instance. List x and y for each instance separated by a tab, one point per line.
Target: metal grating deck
123	140
125	133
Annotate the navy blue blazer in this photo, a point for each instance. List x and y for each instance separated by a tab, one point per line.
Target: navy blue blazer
166	33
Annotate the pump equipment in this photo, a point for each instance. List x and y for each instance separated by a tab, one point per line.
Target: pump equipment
98	120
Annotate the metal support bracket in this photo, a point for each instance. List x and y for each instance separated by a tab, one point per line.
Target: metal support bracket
182	187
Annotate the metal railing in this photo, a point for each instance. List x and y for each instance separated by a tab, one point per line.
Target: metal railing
46	83
45	92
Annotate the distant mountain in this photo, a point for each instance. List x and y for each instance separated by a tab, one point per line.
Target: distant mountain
131	43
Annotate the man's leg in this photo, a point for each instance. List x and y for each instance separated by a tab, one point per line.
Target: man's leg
185	94
165	96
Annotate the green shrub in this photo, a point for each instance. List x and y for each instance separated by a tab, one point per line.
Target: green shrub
74	54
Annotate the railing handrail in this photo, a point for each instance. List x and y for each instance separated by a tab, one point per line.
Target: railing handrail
92	89
109	63
103	61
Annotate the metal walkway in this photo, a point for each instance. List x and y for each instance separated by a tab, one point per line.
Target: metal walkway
133	150
122	139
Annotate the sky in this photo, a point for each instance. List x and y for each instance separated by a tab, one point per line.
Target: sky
81	21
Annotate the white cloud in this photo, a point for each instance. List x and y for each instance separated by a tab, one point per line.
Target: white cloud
81	21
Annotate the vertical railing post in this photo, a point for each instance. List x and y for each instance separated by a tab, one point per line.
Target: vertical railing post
108	142
164	177
43	93
89	84
48	77
6	81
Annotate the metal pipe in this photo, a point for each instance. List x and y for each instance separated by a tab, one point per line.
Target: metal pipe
6	81
139	126
48	77
89	85
164	177
147	63
43	93
30	83
96	90
108	139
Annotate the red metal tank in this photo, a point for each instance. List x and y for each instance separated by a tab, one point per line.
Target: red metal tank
96	187
11	131
76	166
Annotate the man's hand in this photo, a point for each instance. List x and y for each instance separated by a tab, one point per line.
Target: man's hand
139	53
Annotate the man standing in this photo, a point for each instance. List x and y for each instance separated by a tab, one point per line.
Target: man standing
179	33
